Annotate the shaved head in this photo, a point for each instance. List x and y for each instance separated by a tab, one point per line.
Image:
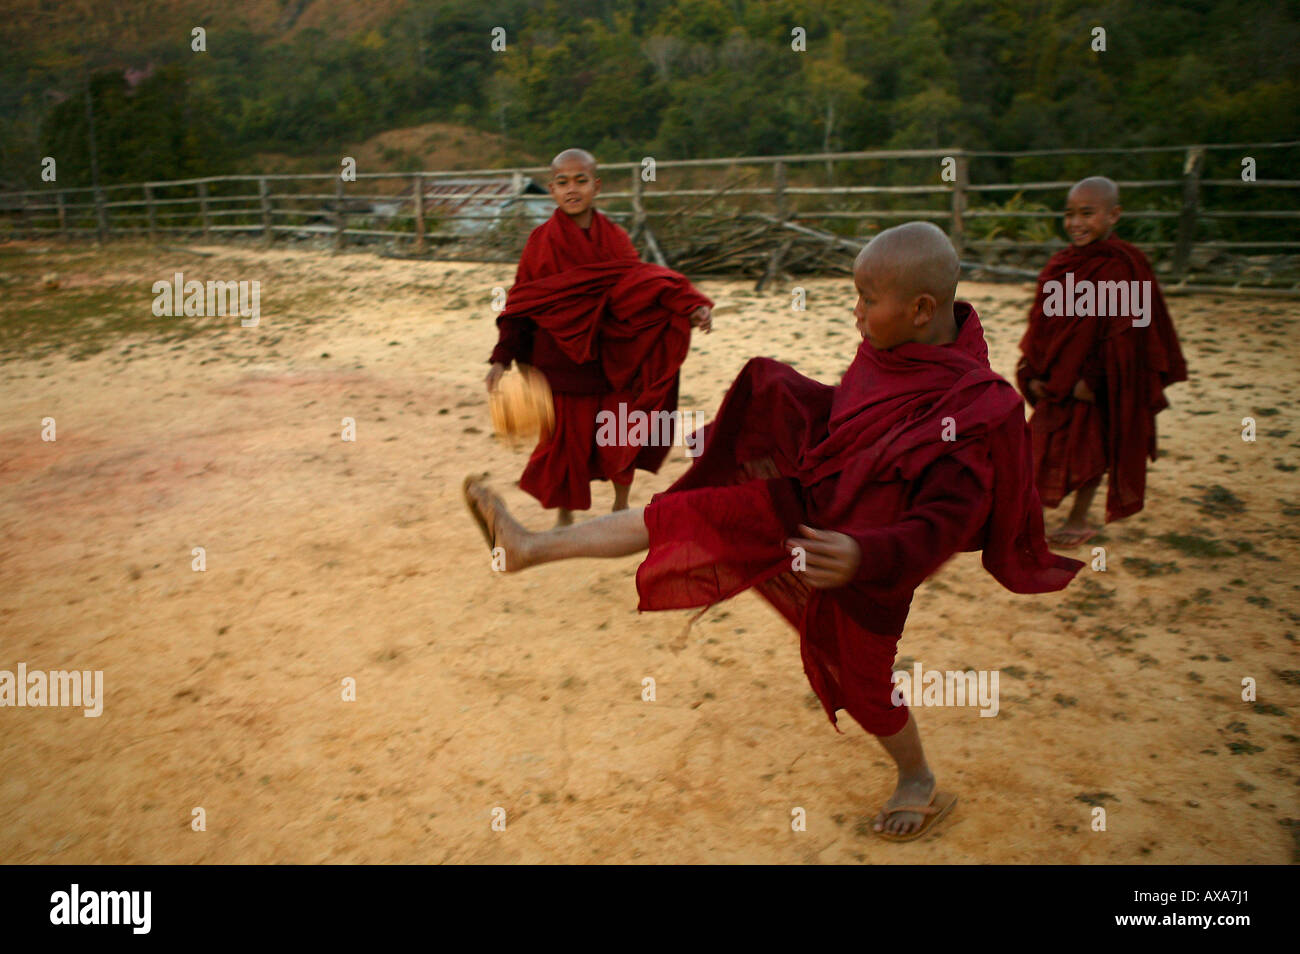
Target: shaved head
574	185
1101	189
916	259
569	156
1091	210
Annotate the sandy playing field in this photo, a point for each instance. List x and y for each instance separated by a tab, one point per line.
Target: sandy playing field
328	560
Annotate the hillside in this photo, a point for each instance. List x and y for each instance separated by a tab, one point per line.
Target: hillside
434	145
143	25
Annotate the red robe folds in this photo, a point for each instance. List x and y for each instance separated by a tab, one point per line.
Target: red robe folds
1126	366
606	330
920	452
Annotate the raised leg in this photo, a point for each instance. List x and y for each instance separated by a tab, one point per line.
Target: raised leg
618	534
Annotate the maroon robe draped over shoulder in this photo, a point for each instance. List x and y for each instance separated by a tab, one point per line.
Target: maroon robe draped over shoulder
920	452
607	330
1126	366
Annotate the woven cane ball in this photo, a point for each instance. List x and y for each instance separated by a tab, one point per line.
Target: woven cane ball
522	406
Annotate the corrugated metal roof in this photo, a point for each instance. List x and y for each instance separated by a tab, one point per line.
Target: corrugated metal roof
479	196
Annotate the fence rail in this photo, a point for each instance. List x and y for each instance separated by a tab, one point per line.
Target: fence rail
286	204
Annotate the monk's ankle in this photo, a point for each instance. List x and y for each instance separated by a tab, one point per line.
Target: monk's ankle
923	780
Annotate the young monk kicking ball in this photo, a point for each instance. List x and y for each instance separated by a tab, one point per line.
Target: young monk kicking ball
604	328
835	503
1098	354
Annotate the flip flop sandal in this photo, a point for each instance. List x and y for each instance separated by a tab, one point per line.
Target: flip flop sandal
474	511
941	803
1075	539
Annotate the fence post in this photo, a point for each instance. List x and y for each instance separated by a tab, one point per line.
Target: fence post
151	212
264	199
340	221
639	218
638	206
203	207
1192	166
782	208
101	216
779	200
418	185
63	216
962	180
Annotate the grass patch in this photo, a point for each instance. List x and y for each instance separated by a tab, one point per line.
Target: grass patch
1199	545
1090	599
84	321
1118	635
1246	546
1244	748
81	323
1196	545
1217	501
1141	566
1096	799
80	320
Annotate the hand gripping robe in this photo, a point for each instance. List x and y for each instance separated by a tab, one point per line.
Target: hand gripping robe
1126	366
607	330
920	452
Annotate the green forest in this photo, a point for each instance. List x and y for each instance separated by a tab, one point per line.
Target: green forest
670	78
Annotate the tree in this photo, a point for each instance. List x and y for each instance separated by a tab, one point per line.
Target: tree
832	84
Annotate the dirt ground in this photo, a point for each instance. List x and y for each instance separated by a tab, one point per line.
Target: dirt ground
329	560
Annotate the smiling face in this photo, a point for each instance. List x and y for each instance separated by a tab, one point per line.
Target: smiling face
574	187
1090	214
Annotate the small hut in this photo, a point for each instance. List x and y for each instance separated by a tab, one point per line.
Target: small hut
471	205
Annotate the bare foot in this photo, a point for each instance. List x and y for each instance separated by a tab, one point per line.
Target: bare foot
910	791
499	526
1072	533
621	494
564	518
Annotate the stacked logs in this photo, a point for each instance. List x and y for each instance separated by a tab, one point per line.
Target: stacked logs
750	244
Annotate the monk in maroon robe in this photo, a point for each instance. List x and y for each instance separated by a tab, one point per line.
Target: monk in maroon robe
607	331
1098	354
835	503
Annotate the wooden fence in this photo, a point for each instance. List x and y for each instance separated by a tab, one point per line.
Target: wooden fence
783	190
